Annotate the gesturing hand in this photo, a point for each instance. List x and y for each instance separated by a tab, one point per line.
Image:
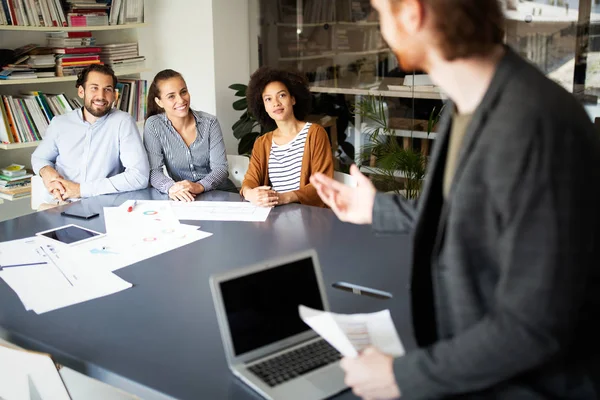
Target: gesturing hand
262	196
350	204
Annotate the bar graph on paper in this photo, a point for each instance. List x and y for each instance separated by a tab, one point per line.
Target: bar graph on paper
357	333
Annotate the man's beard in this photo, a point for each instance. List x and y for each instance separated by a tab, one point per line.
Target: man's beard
97	112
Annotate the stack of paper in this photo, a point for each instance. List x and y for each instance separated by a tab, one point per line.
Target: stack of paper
27	375
350	334
49	276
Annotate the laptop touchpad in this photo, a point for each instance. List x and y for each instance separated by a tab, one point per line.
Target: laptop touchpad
330	381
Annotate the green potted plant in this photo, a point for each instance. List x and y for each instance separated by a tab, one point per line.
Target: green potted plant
388	155
247	128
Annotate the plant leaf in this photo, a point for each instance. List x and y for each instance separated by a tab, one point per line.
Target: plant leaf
243	129
238	87
247	143
240	104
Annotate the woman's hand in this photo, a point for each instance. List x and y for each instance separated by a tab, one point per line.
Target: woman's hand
179	194
262	196
192	187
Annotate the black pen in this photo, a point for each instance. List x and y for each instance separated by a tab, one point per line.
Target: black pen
21	265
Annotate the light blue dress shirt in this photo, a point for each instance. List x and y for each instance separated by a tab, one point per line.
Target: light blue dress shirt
104	157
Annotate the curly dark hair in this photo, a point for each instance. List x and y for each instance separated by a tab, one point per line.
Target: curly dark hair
295	82
103	69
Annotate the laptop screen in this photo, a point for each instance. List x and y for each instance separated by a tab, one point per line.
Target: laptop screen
262	308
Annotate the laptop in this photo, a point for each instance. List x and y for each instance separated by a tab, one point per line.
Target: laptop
266	343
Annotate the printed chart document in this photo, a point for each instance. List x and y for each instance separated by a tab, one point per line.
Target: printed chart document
113	252
208	210
26	375
63	280
351	333
145	216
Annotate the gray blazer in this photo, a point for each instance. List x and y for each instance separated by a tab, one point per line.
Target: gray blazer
505	281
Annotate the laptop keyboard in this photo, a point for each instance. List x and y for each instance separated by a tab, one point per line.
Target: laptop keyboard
284	367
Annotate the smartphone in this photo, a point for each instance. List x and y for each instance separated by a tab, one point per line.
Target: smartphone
80	211
70	234
362	290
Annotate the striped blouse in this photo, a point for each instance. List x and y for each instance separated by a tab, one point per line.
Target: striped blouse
285	162
204	161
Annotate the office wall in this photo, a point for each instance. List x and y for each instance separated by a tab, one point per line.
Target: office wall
180	36
207	41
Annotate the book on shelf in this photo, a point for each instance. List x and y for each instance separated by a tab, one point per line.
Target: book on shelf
67	56
25	118
67	13
15	182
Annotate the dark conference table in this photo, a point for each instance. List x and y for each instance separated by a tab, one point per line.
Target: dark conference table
160	339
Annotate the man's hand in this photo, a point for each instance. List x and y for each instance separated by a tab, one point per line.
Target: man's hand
72	189
349	204
371	375
49	176
262	196
192	187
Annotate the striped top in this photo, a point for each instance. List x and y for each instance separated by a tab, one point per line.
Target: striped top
285	162
204	161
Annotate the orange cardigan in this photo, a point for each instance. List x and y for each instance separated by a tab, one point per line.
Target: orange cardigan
317	158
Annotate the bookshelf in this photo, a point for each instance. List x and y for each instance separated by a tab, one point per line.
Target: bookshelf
8	82
71	28
15	36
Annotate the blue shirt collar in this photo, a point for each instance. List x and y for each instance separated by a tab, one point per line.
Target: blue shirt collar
102	118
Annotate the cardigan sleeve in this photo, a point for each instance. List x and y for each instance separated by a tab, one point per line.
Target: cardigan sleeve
256	174
321	160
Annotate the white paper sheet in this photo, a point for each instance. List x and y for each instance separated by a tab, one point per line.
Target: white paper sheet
21	252
146	216
111	253
65	280
351	333
220	211
24	366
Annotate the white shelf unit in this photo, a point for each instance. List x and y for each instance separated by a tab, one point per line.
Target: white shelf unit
58	79
16	36
70	28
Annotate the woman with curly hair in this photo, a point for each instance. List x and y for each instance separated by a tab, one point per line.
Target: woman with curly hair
284	159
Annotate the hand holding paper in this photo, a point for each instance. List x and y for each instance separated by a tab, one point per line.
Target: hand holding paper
350	334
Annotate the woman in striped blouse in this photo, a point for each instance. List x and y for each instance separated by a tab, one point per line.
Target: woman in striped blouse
188	143
284	159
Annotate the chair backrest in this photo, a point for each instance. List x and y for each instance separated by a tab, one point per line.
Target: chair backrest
238	165
344	178
38	192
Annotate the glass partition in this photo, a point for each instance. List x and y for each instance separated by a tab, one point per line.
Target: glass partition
372	109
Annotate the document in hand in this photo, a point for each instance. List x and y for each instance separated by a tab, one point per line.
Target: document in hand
27	375
350	334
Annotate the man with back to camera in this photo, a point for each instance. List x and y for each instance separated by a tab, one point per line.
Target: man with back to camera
93	150
505	269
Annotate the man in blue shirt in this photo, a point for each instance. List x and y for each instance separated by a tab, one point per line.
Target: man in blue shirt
93	150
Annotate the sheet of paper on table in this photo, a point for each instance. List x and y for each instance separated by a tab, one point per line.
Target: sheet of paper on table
65	279
210	210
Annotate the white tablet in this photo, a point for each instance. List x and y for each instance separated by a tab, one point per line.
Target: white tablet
70	234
